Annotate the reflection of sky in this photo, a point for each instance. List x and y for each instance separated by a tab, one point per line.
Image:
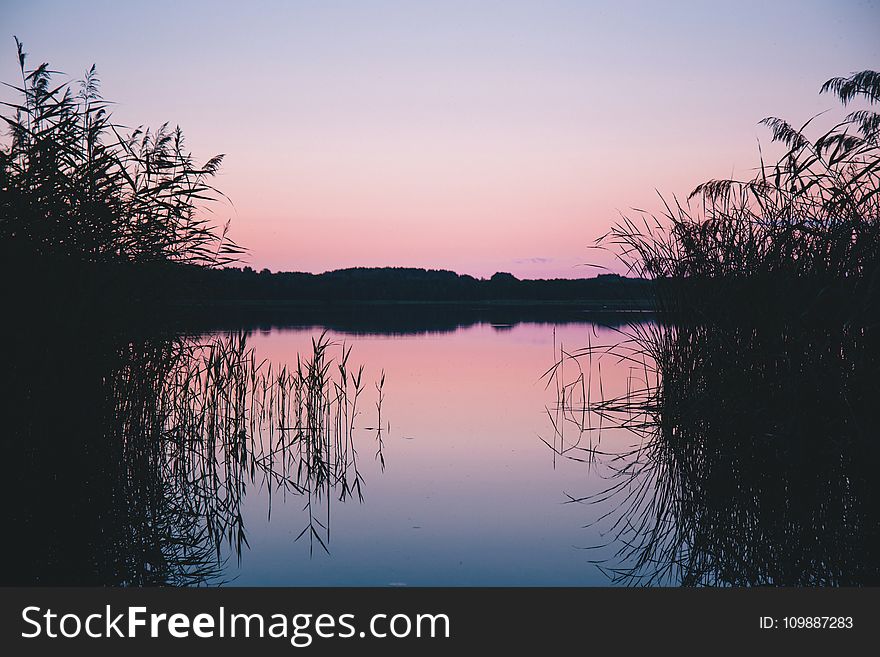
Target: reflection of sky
475	136
470	495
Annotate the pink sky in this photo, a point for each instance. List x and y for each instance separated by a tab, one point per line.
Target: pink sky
473	136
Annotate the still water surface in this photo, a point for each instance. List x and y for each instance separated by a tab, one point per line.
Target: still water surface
747	456
470	494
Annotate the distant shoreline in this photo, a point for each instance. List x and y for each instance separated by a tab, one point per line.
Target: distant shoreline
399	285
645	305
399	316
169	296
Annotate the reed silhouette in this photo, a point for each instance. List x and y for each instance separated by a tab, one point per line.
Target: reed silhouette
803	233
751	404
73	184
752	458
132	457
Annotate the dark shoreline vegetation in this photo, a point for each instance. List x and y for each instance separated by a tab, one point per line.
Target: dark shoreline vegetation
132	441
750	457
236	296
413	285
133	455
131	445
751	408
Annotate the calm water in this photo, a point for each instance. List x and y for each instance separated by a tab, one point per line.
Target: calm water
748	456
470	494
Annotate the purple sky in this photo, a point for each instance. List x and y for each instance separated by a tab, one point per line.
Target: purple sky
474	136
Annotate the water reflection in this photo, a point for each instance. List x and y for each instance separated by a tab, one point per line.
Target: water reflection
752	458
129	460
390	319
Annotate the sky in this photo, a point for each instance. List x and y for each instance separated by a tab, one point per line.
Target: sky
477	136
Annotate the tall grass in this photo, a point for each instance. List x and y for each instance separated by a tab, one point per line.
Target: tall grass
750	406
148	445
809	221
74	184
134	456
214	421
745	455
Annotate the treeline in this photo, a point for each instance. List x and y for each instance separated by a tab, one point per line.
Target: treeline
403	284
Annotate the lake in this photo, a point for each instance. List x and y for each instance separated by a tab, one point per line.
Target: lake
440	449
470	494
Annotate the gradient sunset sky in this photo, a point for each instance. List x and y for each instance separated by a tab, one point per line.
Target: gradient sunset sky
473	136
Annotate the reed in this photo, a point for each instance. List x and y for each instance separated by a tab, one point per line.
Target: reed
134	456
749	458
749	406
801	229
229	422
76	185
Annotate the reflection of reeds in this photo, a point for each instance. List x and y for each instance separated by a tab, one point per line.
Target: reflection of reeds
164	438
227	421
753	458
751	404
